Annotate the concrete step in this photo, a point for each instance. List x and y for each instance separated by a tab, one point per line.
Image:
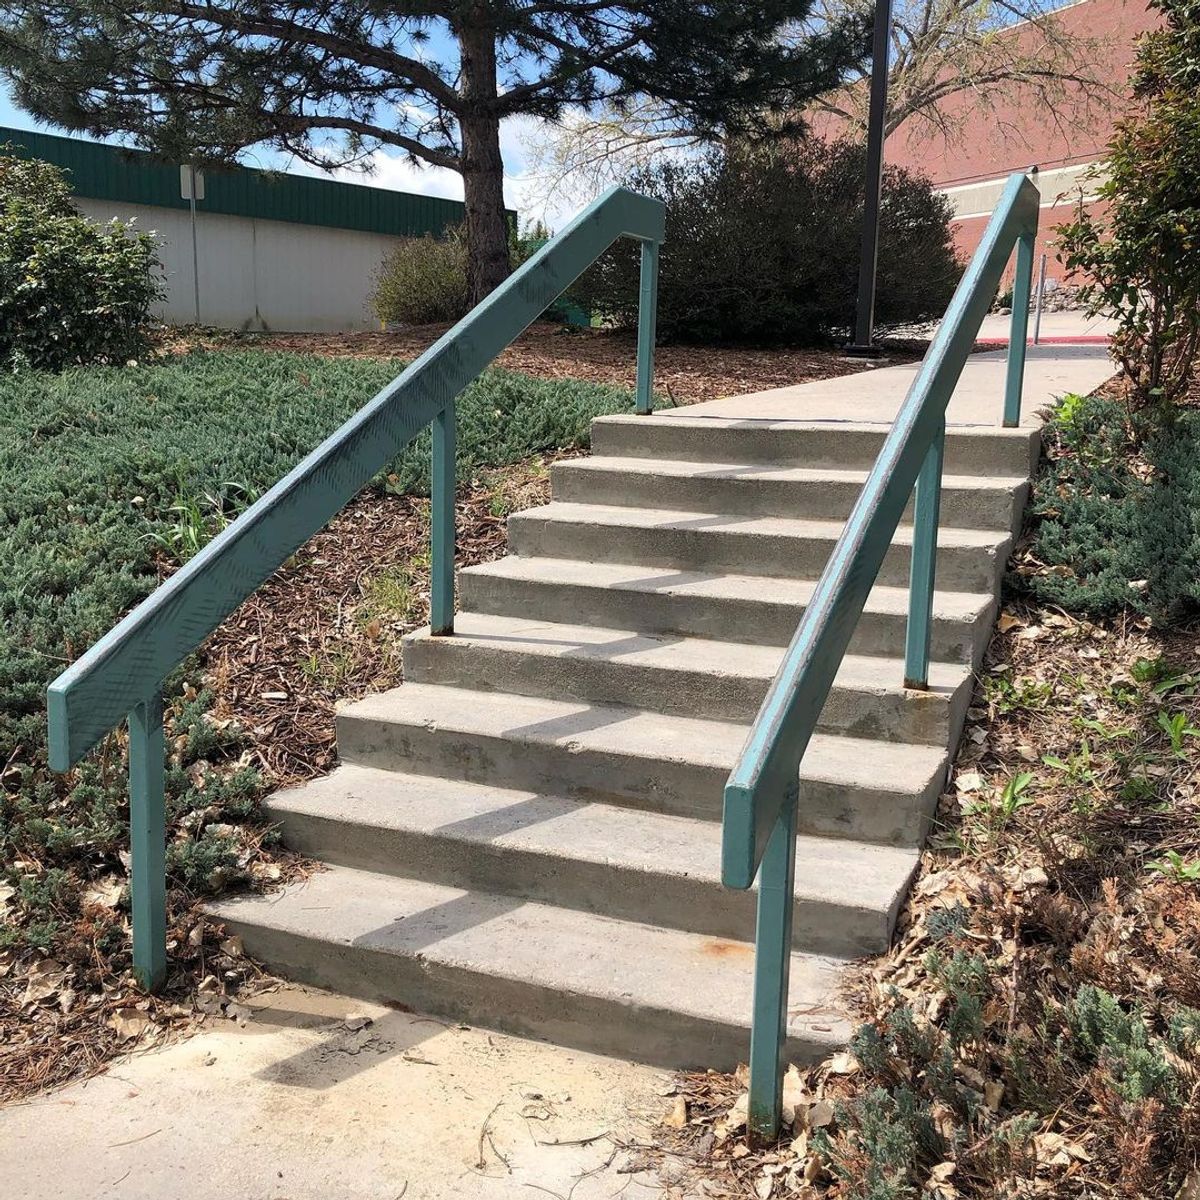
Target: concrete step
730	607
754	489
846	445
666	673
602	858
968	560
661	996
850	787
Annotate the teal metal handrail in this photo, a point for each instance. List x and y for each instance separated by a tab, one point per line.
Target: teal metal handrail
122	674
759	828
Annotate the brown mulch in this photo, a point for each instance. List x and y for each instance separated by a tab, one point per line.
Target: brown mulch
327	628
60	1022
687	374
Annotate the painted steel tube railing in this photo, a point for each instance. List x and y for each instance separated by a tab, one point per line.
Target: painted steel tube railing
761	795
122	674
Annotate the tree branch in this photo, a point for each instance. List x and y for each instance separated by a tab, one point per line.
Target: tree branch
364	53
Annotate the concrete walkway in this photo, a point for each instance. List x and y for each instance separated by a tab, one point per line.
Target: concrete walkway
317	1097
996	326
876	395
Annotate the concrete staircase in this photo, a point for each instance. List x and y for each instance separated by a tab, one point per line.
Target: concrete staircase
526	834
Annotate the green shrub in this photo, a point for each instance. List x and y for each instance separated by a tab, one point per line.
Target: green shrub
1141	256
71	292
423	280
1105	1035
763	244
890	1144
1114	509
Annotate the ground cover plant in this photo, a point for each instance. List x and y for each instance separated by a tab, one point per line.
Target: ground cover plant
113	477
1114	511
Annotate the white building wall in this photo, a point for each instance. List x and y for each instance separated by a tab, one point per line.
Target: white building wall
256	274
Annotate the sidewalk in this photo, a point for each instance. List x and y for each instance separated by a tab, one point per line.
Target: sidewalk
317	1097
1050	372
1071	325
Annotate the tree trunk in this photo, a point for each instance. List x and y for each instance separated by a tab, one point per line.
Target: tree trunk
482	166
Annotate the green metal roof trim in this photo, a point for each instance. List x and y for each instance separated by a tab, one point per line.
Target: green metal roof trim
104	172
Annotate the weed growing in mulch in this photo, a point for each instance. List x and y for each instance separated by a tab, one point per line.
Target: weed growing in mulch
1035	1030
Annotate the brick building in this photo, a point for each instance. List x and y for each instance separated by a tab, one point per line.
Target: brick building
1017	131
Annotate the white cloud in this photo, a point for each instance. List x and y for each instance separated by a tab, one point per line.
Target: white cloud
397	173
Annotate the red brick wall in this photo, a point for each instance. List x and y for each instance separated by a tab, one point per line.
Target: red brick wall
968	232
1017	131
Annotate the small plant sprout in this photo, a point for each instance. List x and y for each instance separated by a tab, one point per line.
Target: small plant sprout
1150	670
1177	727
1173	865
198	519
1185	683
1078	767
993	816
1013	798
1010	695
1106	733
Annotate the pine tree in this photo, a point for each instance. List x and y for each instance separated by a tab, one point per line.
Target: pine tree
203	79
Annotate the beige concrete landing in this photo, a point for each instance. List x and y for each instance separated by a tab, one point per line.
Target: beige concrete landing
874	395
312	1096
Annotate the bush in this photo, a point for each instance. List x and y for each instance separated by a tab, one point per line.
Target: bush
763	246
423	280
71	292
1142	257
1114	512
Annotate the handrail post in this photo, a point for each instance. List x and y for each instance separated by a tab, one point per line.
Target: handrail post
647	325
772	962
148	842
1018	330
443	476
926	508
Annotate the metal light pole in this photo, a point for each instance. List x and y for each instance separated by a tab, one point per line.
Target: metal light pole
864	324
195	250
1037	312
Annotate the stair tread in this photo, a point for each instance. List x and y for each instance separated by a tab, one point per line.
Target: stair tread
638	967
962	606
681	418
833	759
834	870
568	512
719	470
521	635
